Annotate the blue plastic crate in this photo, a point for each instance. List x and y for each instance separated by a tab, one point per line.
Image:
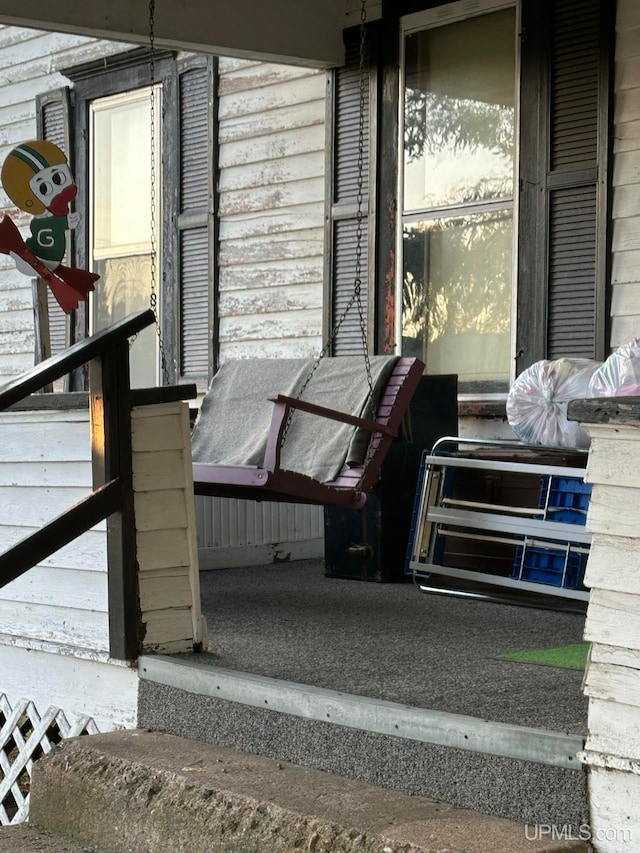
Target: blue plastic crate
568	499
546	565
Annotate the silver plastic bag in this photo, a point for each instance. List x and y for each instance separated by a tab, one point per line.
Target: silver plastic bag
538	399
619	375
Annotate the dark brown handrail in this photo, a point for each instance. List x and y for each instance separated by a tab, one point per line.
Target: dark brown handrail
77	355
64	529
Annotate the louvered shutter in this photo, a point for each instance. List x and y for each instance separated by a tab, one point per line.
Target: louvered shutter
342	221
196	215
572	324
563	222
52	324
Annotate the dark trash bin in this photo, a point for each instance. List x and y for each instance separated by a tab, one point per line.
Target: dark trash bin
371	544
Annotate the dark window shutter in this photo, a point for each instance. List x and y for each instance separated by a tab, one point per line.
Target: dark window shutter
563	170
195	276
572	273
52	324
195	144
572	321
348	340
345	185
347	127
196	214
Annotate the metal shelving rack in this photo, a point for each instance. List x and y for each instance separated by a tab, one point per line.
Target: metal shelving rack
442	517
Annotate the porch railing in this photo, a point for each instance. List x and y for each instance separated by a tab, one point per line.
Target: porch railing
110	400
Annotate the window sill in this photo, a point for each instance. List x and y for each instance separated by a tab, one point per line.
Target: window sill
489	409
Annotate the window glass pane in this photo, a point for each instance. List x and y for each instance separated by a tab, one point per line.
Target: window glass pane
457	297
123	289
122	172
121	217
459	112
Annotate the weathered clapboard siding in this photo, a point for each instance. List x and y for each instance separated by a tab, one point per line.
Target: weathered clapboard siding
58	610
625	261
45	467
43	585
252	75
35	437
613	619
35	506
282	299
614	727
73	627
272	329
612	678
165	520
105	691
271	183
267	348
17	338
606	552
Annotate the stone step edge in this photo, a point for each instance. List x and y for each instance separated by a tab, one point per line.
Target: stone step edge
151	791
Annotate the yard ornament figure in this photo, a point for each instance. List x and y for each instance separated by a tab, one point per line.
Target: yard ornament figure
37	178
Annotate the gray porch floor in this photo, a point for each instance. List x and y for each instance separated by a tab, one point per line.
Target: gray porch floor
393	642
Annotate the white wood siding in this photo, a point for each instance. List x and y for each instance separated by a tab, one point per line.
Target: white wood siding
54	627
625	270
106	692
612	678
45	467
271	182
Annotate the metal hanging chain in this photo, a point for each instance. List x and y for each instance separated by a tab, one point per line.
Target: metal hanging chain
356	296
357	286
153	295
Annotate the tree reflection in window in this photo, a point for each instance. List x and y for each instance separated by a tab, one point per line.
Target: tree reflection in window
459	132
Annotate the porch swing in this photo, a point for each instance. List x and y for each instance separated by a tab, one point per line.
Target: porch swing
255	437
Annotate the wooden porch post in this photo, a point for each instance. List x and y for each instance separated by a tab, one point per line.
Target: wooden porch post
110	408
612	677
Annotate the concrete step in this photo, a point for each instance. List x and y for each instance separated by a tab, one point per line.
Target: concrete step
27	839
158	793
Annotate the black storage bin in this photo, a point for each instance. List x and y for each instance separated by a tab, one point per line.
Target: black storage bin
371	544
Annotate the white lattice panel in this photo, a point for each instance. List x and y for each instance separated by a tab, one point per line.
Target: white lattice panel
25	735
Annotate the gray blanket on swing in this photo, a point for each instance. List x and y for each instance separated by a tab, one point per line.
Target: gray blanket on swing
234	420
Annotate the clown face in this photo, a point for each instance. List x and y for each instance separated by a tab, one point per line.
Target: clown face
55	188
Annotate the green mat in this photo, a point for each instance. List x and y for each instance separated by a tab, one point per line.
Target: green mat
573	656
